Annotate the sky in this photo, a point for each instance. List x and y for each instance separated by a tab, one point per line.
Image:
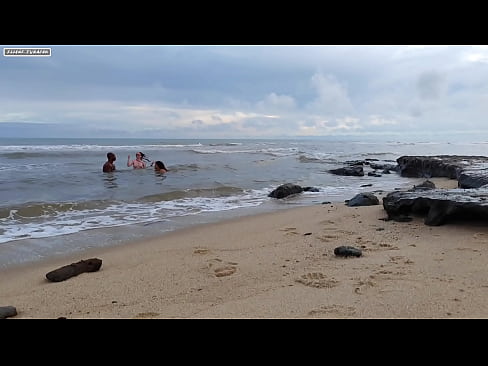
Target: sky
242	91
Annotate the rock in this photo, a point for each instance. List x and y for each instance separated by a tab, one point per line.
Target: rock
363	199
7	311
438	204
311	189
470	171
431	166
289	189
351	170
74	269
427	184
347	251
385	167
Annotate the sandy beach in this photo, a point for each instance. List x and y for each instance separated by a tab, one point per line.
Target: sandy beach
278	265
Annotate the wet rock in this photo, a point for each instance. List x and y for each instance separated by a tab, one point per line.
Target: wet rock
470	171
289	189
311	189
363	199
285	190
427	184
438	204
355	170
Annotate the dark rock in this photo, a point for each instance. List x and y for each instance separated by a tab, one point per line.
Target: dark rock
373	174
349	171
470	171
429	166
7	311
74	269
474	177
356	162
385	167
347	251
363	199
437	204
311	189
285	190
426	184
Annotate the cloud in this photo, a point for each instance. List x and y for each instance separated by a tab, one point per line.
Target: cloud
332	96
246	91
275	102
431	85
376	120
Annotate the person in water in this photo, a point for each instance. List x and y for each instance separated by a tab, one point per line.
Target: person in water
138	163
109	165
159	167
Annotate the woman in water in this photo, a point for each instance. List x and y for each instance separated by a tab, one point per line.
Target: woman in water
159	167
138	163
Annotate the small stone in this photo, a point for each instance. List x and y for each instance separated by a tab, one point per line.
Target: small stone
347	251
7	311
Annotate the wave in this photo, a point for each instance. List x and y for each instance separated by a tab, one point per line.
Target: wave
42	209
286	151
40	220
22	151
192	193
226	144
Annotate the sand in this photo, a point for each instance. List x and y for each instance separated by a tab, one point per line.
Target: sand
278	265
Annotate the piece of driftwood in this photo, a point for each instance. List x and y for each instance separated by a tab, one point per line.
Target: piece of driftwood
74	269
7	311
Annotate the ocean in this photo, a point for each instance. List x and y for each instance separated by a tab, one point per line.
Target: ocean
55	199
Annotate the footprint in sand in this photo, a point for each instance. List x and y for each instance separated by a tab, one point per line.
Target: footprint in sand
317	280
201	251
480	236
290	230
327	238
224	271
146	315
333	309
361	285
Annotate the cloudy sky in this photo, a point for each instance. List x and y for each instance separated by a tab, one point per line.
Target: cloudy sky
244	91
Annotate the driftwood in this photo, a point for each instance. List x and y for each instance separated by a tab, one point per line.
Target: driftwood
7	311
74	269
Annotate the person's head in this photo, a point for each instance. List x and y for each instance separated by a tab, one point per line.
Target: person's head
111	156
139	155
158	165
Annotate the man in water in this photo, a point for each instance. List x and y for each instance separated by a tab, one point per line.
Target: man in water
109	165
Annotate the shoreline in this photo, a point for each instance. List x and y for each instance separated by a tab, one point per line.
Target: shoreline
272	265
